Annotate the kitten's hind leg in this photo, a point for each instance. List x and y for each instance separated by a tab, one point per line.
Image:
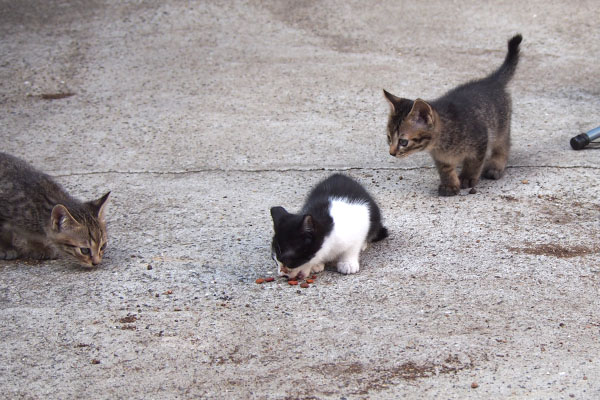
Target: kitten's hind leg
471	171
8	254
496	164
7	251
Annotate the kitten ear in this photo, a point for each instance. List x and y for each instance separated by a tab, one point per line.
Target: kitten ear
396	103
422	113
61	219
277	213
392	100
308	223
100	205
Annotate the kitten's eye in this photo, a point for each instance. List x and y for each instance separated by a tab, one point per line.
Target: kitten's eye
103	247
403	142
84	250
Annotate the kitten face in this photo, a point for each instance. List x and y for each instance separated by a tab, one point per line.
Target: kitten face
82	237
295	241
410	125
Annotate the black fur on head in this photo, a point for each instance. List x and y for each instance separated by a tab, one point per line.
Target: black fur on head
297	237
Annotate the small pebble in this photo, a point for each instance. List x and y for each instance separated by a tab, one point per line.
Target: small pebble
472	191
149	267
524	181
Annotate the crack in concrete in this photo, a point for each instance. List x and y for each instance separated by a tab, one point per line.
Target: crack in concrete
332	169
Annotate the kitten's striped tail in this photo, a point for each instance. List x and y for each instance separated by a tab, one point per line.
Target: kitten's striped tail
508	67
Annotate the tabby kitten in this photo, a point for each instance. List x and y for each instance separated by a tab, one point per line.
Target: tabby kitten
337	220
39	220
468	126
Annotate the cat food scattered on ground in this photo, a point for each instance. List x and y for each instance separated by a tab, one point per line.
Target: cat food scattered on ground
128	319
524	181
474	385
128	328
304	285
310	281
262	280
293	283
95	361
168	292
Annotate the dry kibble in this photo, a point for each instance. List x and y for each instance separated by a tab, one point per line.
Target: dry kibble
524	181
293	283
310	281
474	385
269	279
304	285
313	277
259	280
168	292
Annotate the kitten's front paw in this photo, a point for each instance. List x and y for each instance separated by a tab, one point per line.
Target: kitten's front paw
347	267
448	190
317	268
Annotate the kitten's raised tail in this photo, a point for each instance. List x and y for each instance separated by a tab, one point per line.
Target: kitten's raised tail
508	67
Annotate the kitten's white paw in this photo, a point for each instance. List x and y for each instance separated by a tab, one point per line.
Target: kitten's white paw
299	273
348	267
317	268
364	246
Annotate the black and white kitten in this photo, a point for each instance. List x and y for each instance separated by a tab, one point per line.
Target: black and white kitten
336	222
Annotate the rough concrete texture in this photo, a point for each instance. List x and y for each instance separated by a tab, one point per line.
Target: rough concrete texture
199	116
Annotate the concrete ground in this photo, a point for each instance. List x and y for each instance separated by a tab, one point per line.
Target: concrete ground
199	116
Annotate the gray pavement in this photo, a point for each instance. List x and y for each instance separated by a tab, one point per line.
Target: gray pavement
199	116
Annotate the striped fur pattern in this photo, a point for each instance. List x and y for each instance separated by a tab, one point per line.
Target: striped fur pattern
468	127
40	220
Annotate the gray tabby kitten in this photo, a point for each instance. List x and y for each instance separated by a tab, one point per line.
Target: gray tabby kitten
468	127
39	220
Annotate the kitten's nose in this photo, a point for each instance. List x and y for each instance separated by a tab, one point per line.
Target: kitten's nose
96	261
393	150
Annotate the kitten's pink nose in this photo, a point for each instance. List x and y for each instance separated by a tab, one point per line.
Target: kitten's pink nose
96	260
393	150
